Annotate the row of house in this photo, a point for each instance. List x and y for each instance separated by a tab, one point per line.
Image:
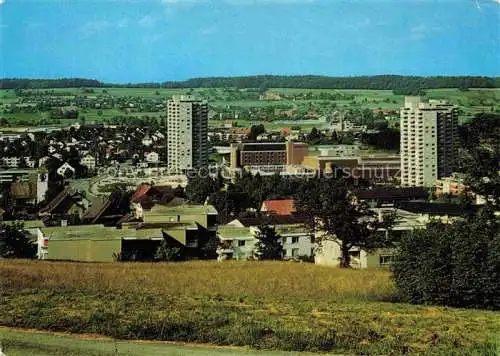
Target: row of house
72	227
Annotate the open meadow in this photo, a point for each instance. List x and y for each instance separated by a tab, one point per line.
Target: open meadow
264	305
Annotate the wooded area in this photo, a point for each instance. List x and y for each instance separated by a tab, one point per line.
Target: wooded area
377	82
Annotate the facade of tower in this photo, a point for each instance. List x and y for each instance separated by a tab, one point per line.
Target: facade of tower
187	133
429	141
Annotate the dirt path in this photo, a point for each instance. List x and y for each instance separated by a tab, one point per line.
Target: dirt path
17	342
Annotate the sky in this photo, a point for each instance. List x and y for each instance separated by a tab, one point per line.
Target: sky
120	41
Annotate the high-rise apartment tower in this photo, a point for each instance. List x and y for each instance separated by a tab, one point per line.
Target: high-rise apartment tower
187	133
428	141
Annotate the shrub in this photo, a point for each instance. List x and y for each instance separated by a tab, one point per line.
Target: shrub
452	264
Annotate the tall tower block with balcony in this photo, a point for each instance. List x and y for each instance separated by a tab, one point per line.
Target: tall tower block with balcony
428	141
187	133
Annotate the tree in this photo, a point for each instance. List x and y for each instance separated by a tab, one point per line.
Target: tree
480	160
255	131
269	245
15	242
452	264
336	215
200	188
166	252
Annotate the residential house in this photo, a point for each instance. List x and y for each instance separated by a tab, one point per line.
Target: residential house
278	207
236	242
328	252
67	207
237	239
27	186
151	157
453	185
66	170
11	162
89	161
30	162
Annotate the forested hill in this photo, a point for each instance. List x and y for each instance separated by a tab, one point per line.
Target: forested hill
17	83
379	82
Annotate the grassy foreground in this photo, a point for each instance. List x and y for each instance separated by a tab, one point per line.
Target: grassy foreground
286	306
41	343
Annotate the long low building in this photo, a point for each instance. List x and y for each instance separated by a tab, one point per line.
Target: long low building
187	227
372	168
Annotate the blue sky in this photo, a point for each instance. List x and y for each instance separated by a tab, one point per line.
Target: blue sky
156	40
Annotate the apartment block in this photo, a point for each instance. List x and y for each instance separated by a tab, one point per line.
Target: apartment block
278	154
428	141
187	133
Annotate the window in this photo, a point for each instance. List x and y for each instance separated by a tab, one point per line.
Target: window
385	260
295	252
241	243
295	240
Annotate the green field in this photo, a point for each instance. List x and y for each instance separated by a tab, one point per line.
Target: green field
242	101
39	343
277	306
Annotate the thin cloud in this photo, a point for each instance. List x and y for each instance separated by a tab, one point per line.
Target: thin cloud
2	2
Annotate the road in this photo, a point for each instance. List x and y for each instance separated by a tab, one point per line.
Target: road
30	343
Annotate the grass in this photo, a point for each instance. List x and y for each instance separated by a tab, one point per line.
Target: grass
37	343
283	306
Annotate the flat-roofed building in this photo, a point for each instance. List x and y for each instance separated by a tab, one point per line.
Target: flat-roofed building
276	154
429	141
187	133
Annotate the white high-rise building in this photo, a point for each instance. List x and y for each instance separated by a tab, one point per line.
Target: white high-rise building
187	133
429	141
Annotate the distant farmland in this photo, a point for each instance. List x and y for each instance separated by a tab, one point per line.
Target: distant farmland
240	101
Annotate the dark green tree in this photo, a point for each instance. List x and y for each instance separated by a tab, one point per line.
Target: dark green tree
255	131
15	242
167	252
452	264
336	215
269	244
199	188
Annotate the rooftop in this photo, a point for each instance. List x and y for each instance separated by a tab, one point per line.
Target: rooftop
228	232
185	209
99	232
279	207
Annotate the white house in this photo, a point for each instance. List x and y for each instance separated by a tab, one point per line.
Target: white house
88	161
152	157
147	141
11	162
297	241
329	252
236	242
65	170
239	242
29	162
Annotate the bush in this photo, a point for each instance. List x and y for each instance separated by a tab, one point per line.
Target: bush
452	264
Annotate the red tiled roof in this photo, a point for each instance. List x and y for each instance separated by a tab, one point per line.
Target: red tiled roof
279	207
140	192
